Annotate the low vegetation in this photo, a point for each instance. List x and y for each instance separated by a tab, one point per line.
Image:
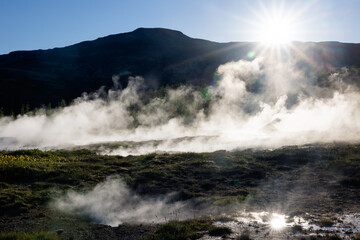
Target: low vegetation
183	230
357	236
34	158
29	179
245	235
297	229
326	222
29	236
219	231
334	237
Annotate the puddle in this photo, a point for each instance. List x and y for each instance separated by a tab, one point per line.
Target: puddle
344	225
267	225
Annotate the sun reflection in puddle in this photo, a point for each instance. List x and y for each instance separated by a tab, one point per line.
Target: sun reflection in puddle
274	225
277	221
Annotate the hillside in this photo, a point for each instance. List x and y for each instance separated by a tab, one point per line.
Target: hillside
163	57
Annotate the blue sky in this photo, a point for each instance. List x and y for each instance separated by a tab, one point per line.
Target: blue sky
43	24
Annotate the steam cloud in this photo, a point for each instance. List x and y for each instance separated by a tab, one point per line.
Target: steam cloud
113	203
261	103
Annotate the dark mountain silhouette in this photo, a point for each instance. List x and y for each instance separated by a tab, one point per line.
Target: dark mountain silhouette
161	56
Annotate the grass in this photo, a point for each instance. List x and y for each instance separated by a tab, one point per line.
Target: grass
334	237
182	230
219	231
357	236
27	159
173	230
326	222
222	201
245	235
30	178
29	236
297	229
189	229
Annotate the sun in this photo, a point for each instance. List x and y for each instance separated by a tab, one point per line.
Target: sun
278	24
276	31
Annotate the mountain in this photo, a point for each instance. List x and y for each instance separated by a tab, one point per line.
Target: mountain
161	56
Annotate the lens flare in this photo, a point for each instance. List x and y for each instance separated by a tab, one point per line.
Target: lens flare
251	55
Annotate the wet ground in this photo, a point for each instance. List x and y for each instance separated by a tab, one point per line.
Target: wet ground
265	225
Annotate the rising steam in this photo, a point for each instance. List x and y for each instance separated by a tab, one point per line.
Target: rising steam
113	203
260	103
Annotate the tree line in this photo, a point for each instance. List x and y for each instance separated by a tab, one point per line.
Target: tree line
25	109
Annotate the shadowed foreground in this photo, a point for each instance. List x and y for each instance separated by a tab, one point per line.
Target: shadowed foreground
318	183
